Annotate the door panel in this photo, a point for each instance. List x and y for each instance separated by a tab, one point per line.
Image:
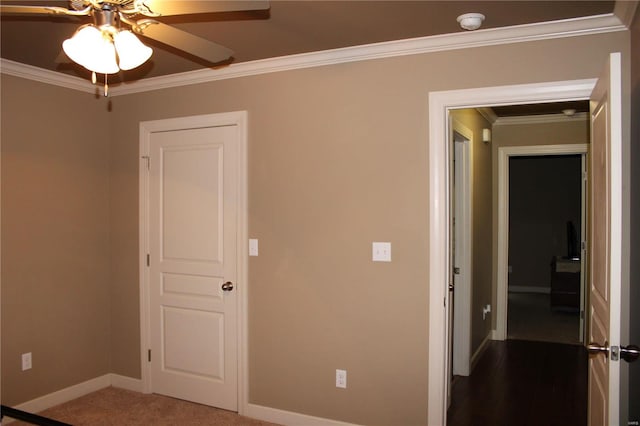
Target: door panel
605	243
192	220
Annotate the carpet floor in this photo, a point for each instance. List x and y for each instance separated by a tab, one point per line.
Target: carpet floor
112	406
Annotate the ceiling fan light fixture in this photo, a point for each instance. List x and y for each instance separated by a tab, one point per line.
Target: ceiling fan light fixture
81	42
92	49
131	51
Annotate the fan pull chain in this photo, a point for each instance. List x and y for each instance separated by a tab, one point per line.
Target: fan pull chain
106	84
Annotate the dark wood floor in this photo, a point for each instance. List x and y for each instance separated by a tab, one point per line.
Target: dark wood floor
519	382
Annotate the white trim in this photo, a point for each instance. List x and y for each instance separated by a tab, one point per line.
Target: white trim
63	395
439	105
239	119
143	242
289	418
462	40
124	382
242	259
625	10
478	353
542	119
615	236
42	75
504	153
494	335
488	114
584	196
529	289
464	288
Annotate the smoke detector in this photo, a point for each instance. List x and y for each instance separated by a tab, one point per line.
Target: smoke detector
470	21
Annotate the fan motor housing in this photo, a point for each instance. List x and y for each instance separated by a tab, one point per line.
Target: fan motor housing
107	17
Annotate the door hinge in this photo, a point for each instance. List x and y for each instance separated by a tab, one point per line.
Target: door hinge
149	355
146	157
148	261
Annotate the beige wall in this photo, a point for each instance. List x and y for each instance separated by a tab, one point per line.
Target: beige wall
481	293
554	133
55	238
337	159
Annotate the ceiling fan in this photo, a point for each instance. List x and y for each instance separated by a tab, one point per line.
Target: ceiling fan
109	44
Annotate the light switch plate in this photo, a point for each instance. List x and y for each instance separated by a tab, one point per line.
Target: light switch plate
381	252
253	247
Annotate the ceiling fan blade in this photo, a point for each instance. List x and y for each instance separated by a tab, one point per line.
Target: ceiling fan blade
173	7
187	42
41	10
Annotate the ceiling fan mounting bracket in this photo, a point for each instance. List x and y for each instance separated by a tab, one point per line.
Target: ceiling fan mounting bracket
107	18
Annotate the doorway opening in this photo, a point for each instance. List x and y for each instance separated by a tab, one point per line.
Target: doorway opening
545	253
440	105
567	274
502	181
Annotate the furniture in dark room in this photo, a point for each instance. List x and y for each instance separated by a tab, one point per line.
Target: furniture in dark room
565	283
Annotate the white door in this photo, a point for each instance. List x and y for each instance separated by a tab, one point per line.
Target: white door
192	264
460	325
605	243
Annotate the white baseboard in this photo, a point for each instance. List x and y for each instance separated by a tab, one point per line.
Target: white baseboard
63	395
76	391
288	418
529	289
476	355
252	410
128	383
495	335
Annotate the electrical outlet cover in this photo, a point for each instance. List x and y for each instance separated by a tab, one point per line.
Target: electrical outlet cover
341	379
26	361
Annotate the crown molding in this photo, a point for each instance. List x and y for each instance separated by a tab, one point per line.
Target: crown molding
494	36
42	75
541	119
625	11
488	114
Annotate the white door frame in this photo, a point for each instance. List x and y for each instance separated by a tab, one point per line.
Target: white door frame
504	154
438	145
463	290
239	119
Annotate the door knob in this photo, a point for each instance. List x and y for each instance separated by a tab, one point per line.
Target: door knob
629	353
595	348
228	286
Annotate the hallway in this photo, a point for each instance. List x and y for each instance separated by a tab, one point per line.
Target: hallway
519	382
